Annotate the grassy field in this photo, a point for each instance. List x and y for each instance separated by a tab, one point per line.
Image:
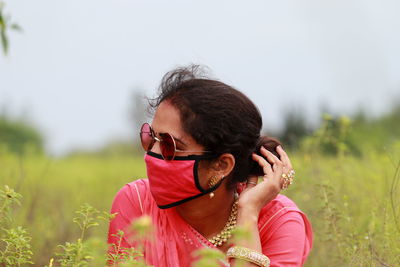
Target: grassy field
352	202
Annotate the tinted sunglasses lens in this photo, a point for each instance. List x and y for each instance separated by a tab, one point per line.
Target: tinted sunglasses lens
146	137
167	146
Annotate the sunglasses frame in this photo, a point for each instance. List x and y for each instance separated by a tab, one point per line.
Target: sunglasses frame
162	141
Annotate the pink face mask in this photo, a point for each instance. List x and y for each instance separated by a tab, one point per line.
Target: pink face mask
175	182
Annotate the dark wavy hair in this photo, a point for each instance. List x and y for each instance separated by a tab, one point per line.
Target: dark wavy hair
217	116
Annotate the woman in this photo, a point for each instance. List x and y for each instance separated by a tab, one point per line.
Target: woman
204	154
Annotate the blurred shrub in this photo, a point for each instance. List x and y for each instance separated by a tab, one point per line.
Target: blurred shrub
295	128
338	135
18	136
332	138
377	133
114	148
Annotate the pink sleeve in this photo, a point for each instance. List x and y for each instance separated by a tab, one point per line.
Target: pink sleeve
285	242
127	204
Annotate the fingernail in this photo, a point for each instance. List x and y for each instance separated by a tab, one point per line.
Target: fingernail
262	147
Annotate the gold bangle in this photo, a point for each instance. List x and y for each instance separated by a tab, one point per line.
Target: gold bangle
248	255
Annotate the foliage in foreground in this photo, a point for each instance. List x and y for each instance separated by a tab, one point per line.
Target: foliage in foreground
16	250
6	24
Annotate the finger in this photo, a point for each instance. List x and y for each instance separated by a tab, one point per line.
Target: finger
284	157
270	176
270	157
267	169
251	181
259	159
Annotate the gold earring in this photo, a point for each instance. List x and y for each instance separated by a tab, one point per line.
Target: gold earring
213	181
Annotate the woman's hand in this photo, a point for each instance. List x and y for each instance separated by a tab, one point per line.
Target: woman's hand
256	195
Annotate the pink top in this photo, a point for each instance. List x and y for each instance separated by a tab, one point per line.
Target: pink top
285	232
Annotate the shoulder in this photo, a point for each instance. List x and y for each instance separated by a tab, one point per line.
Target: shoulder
127	206
132	189
131	196
137	185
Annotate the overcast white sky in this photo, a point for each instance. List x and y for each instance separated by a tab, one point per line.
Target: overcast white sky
75	66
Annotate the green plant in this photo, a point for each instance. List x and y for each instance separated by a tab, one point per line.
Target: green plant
15	247
120	256
7	197
79	254
5	24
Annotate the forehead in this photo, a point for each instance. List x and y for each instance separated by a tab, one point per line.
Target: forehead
167	119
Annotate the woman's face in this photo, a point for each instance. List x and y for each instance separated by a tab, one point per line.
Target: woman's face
167	120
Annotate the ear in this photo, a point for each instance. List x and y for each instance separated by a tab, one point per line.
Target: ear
224	164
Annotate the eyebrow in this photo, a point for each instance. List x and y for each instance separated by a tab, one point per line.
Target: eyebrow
178	140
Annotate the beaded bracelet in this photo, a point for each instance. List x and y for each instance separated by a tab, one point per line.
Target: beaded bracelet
248	255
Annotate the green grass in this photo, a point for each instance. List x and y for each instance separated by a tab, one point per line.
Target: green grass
351	201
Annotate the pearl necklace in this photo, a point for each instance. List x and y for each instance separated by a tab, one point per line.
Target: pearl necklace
226	232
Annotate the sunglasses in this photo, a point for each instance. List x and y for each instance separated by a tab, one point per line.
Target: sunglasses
167	142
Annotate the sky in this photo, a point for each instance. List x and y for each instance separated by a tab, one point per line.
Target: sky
76	65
